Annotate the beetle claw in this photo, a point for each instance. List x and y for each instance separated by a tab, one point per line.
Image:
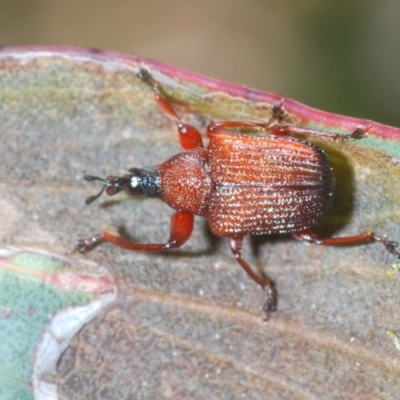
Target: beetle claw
84	245
81	246
391	247
143	75
271	303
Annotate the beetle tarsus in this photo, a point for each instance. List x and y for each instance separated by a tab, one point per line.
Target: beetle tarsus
84	245
144	75
278	111
391	247
270	305
358	133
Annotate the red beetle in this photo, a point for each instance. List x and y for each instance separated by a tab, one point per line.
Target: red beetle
243	184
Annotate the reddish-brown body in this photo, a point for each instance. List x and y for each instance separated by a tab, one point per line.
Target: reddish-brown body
242	183
250	184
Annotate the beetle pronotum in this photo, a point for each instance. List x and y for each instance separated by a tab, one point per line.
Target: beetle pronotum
243	184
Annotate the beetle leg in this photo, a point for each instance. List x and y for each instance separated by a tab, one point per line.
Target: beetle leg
358	133
309	236
280	129
189	136
235	243
180	232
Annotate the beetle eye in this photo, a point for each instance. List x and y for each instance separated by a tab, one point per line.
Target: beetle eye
134	182
132	185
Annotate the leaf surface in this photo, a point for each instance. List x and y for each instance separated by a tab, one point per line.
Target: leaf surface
188	323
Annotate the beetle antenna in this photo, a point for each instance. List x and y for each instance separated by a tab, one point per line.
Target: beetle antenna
91	178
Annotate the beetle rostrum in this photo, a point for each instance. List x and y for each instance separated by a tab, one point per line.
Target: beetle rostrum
243	184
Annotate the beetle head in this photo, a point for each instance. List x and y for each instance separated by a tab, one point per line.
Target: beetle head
129	183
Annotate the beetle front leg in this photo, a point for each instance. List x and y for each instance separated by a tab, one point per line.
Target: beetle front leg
363	238
180	232
235	244
189	136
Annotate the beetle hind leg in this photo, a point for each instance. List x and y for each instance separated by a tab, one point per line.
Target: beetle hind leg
363	238
235	244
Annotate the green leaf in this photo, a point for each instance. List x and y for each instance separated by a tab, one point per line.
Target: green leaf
44	302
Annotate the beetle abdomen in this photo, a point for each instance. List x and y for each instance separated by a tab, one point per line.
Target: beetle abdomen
266	184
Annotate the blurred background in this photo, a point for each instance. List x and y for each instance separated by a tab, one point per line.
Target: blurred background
341	56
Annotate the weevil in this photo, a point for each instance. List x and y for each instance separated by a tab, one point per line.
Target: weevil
243	184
